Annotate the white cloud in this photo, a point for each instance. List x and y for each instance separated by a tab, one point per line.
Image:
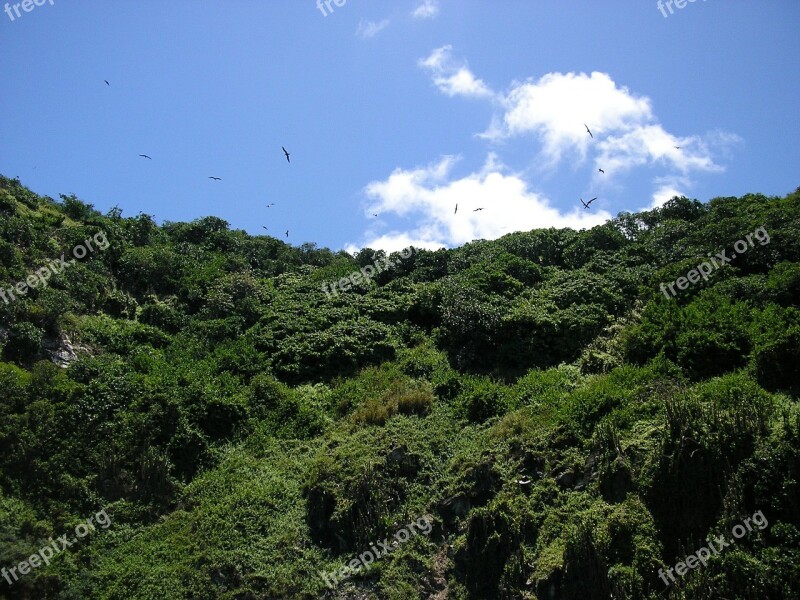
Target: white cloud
650	144
666	189
369	29
427	10
454	77
552	110
429	196
555	110
559	106
662	195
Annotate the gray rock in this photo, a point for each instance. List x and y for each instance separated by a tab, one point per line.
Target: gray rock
60	350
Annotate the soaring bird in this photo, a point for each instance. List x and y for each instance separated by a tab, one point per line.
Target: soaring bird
265	228
106	80
216	178
287	233
374	214
270	204
286	153
587	129
477	209
456	210
145	156
586	204
677	147
601	170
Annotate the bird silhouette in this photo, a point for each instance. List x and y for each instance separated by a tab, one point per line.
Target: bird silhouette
677	147
456	210
265	228
477	209
216	178
287	233
587	129
270	204
106	80
145	156
586	204
286	153
601	170
374	214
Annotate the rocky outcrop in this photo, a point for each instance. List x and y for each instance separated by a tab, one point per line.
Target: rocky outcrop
59	350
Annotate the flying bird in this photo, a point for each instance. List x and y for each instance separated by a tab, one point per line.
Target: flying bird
456	210
601	170
677	147
374	214
286	153
145	156
270	204
106	80
216	178
287	233
586	204
265	228
587	129
477	209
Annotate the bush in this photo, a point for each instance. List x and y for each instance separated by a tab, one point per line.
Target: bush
481	399
24	342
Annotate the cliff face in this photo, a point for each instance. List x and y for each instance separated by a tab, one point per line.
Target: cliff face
59	350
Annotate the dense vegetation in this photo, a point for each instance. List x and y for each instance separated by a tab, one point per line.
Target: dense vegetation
567	428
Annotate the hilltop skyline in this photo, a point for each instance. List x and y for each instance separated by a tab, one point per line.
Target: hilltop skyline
400	111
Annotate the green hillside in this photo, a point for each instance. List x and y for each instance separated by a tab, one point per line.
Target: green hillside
555	420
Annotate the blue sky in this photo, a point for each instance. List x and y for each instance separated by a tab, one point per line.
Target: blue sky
400	109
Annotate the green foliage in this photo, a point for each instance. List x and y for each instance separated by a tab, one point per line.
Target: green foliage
25	340
75	209
568	429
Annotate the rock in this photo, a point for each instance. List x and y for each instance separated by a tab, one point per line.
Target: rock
60	350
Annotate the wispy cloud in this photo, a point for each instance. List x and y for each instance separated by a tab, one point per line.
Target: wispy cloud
667	188
369	29
429	9
556	108
453	77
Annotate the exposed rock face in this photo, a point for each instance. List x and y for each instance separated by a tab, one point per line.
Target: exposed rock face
59	350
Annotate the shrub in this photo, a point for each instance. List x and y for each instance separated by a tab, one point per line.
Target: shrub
481	399
24	341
